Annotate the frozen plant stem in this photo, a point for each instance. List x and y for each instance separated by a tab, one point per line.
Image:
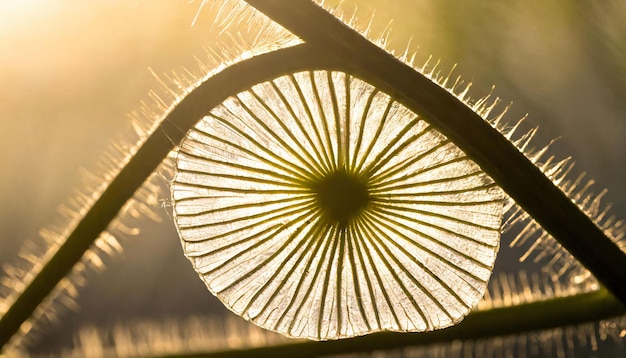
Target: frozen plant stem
154	150
526	317
496	155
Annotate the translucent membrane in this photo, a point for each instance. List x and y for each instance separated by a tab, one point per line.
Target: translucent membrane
318	207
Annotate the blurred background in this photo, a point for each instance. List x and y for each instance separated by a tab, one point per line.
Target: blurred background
71	71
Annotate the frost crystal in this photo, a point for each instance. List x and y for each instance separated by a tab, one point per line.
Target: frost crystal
316	206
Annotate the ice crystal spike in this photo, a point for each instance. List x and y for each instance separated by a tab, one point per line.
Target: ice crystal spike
316	206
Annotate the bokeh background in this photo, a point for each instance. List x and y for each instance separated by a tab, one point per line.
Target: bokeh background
71	71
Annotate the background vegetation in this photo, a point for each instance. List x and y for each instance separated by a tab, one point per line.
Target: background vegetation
72	70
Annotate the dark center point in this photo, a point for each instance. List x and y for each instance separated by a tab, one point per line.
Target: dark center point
341	197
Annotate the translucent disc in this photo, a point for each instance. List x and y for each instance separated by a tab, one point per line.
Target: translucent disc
318	207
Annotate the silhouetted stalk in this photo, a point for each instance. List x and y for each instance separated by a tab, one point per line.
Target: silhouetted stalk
155	149
527	317
495	154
